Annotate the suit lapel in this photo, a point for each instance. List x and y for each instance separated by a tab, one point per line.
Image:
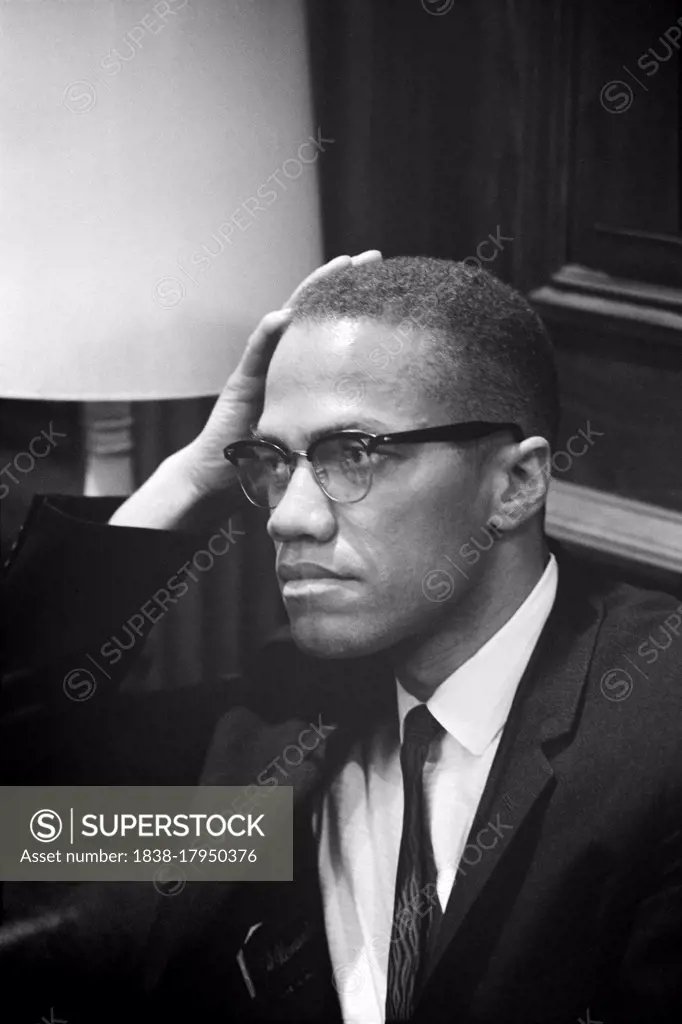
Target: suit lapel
540	720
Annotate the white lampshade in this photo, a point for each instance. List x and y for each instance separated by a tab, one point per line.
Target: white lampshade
158	190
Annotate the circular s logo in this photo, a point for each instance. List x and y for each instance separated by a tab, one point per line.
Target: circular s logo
438	7
350	390
79	684
616	684
168	292
438	585
169	880
348	979
46	826
79	97
616	97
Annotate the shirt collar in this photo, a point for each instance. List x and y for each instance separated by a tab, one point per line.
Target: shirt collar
474	702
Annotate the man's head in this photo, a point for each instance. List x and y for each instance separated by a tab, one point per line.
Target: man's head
391	346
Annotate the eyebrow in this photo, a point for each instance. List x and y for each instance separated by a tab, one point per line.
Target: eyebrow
332	428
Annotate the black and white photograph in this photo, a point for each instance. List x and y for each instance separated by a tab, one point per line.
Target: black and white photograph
341	511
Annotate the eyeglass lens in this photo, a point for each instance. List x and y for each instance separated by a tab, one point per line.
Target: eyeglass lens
342	466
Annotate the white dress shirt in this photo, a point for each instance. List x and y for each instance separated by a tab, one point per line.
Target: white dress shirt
360	821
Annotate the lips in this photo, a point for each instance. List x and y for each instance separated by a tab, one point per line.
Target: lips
307	571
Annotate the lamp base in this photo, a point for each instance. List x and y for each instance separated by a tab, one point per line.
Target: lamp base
109	448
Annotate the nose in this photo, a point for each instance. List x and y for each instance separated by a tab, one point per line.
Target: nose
304	510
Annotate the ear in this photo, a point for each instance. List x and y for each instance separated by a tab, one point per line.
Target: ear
522	479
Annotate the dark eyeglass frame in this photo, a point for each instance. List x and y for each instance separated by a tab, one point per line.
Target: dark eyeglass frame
468	431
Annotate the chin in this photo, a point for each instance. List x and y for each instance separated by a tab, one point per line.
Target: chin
328	639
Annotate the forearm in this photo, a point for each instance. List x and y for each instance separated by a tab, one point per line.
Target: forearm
168	500
171	500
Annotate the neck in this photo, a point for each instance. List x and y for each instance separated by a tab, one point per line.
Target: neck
423	663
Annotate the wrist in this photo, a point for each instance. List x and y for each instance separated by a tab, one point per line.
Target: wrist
163	501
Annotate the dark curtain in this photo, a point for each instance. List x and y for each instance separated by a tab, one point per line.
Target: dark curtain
424	111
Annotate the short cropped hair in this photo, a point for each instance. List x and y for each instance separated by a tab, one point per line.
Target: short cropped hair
487	354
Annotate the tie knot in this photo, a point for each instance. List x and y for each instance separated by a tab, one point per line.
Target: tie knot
420	728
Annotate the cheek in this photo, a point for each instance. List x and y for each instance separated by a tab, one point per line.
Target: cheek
409	541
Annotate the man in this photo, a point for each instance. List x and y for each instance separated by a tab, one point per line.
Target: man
483	831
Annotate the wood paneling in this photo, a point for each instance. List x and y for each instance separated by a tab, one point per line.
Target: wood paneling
625	169
620	363
618	527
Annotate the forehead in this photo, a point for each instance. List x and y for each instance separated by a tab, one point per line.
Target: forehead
345	373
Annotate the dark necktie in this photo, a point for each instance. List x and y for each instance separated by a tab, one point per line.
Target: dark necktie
416	911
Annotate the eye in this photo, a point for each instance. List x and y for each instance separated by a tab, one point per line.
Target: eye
354	453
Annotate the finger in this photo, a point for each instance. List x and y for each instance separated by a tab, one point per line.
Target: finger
261	344
336	264
368	256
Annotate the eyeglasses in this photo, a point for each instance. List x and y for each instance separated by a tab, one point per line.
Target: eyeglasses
343	461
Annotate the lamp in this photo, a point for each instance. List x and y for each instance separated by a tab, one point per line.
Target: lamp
159	189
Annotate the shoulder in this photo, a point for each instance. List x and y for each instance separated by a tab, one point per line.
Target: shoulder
632	625
633	693
641	629
624	656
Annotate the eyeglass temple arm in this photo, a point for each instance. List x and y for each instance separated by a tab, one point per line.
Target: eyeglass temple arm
453	432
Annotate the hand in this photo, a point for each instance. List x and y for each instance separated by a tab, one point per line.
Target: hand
241	400
199	472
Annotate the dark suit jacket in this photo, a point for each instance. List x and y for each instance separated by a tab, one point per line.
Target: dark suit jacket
573	913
